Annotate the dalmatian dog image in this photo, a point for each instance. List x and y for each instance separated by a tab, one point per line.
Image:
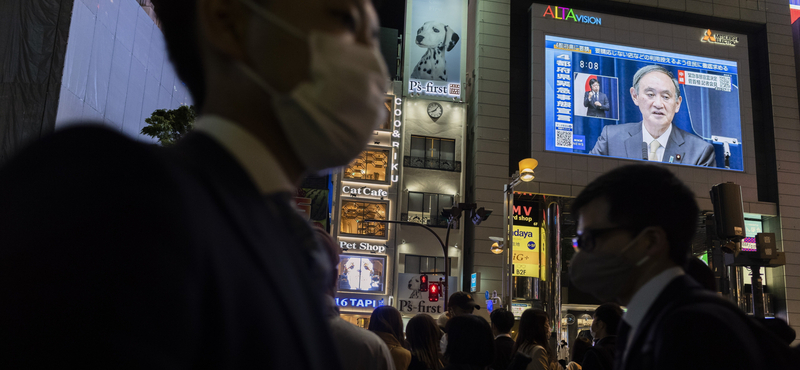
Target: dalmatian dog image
413	286
437	38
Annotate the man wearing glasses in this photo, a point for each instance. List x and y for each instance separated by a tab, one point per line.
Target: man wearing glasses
635	229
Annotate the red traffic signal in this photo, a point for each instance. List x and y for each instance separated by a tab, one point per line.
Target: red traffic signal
423	283
433	292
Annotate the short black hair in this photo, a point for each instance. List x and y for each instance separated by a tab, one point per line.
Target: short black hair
633	192
610	314
179	25
503	320
593	81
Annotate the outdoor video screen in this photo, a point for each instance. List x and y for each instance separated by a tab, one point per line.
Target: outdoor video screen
592	107
361	273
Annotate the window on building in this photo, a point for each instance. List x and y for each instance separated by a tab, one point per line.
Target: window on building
424	264
355	211
371	164
431	152
388	103
426	208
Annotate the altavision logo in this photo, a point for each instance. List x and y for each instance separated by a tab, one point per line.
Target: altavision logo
567	14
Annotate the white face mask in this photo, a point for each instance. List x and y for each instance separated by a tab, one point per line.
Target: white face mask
328	120
603	275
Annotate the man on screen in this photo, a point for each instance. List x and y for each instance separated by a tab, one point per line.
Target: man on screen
595	101
655	91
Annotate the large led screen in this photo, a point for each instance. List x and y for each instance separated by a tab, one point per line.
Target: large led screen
361	273
593	108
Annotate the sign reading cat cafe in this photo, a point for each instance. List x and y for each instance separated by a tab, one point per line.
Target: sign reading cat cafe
434	52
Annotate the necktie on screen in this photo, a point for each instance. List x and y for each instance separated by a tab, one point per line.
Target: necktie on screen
654	145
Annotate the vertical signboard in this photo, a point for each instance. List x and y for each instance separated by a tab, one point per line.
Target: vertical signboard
435	57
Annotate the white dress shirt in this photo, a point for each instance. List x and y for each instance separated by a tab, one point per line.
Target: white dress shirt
644	298
663	139
252	155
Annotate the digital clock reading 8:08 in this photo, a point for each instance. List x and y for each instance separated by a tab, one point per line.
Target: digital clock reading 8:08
590	65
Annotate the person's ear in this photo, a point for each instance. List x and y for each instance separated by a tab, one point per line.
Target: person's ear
657	241
678	102
222	24
633	96
600	325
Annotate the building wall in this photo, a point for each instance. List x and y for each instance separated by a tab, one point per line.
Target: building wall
116	70
566	175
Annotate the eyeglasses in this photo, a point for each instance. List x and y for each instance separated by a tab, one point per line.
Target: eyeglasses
586	241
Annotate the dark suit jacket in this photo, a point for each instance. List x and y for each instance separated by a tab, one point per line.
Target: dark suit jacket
601	356
626	141
503	351
116	254
594	110
688	327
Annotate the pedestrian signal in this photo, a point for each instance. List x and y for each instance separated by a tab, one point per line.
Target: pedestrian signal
423	283
433	292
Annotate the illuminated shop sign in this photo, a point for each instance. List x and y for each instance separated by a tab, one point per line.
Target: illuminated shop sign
398	111
364	246
719	39
566	14
434	57
354	302
364	190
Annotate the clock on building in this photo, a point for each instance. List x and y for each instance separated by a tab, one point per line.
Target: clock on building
435	110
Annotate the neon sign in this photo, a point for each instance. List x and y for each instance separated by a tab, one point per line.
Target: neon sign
354	302
364	190
719	39
373	248
396	138
567	14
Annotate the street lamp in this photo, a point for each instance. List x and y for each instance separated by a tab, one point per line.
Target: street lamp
497	247
525	174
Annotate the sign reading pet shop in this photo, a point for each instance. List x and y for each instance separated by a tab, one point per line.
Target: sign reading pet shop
434	56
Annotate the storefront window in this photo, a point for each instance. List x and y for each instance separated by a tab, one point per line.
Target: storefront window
424	264
388	103
353	212
434	153
426	208
369	165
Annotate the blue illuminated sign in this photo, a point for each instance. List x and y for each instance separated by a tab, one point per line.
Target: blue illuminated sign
355	302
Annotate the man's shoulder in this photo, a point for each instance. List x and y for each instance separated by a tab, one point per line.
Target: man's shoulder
623	127
353	336
691	138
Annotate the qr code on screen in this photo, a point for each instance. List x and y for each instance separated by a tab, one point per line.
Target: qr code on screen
724	83
563	139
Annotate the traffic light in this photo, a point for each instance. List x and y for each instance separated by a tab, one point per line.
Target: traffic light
433	292
423	283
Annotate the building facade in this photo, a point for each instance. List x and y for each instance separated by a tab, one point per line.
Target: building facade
513	91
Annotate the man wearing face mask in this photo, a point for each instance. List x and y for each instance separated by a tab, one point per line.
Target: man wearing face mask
635	229
115	254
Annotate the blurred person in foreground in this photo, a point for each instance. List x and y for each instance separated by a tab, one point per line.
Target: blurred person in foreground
502	322
358	348
606	319
459	304
423	336
387	322
635	227
470	346
118	254
533	340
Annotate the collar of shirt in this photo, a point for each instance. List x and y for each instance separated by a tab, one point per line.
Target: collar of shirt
503	335
645	297
663	140
255	158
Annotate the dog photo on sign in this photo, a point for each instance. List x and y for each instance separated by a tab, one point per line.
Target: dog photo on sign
438	38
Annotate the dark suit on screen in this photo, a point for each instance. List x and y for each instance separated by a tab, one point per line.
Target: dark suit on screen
626	141
594	110
690	328
117	254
